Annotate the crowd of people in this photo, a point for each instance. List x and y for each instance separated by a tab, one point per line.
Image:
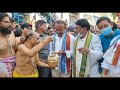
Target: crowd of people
84	50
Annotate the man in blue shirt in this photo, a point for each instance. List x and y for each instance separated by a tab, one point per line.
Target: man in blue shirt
105	25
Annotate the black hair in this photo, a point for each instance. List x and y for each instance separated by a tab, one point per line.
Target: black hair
114	26
17	32
11	20
103	19
83	23
3	15
16	26
39	22
25	25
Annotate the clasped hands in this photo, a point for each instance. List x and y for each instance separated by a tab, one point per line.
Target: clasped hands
83	50
60	53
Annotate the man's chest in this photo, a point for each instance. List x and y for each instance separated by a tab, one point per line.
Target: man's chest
7	43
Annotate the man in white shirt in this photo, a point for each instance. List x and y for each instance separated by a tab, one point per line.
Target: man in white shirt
87	51
63	46
111	63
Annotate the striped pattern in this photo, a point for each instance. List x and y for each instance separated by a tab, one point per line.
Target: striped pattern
10	64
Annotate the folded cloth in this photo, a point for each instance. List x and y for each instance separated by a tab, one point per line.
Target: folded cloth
7	66
18	75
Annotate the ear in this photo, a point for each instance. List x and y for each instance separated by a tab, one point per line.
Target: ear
30	39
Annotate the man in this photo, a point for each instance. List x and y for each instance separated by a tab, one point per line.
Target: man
92	29
63	46
105	25
111	63
27	57
41	29
13	24
51	31
71	29
7	46
87	51
25	28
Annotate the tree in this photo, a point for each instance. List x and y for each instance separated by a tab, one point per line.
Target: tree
114	16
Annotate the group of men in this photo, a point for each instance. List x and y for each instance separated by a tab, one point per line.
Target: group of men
84	55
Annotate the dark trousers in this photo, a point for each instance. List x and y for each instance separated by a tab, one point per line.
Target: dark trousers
44	72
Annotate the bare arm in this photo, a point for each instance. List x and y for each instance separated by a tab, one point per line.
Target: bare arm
33	51
40	63
104	72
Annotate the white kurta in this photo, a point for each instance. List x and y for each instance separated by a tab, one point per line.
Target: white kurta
94	55
113	71
58	46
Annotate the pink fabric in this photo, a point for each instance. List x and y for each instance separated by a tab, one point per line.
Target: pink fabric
10	64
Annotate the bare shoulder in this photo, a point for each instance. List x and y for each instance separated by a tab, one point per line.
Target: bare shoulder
21	47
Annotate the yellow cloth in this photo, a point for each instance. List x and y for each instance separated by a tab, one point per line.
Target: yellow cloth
16	74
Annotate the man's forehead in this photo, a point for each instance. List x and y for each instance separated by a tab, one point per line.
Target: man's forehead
59	25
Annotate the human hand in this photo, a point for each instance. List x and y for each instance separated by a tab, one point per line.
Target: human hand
83	50
48	39
22	39
61	53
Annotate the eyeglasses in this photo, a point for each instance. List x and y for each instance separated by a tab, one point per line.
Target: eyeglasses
6	21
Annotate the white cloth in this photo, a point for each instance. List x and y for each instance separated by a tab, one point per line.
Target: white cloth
58	46
113	70
94	55
3	68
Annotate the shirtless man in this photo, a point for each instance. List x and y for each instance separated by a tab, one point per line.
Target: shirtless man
27	56
7	47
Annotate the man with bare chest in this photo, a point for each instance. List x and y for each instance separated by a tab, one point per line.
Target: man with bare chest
7	47
27	56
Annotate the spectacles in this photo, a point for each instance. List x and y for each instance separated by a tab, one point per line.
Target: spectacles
6	21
